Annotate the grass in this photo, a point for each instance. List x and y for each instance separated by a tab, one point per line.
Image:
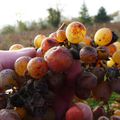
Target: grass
94	103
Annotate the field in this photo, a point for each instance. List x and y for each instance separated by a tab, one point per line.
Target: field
26	38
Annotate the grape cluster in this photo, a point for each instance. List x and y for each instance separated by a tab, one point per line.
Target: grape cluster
69	66
34	96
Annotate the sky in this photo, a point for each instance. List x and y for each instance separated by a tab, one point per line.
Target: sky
28	10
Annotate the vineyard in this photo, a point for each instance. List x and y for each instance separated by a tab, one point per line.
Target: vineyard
26	38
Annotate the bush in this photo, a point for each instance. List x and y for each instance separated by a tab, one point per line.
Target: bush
8	29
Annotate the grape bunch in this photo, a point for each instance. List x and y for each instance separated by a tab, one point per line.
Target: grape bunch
69	68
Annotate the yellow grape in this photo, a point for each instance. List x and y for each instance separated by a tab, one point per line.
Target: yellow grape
61	36
16	47
38	39
116	57
75	32
110	62
103	36
117	44
21	65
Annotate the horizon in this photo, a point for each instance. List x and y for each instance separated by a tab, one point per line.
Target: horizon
11	12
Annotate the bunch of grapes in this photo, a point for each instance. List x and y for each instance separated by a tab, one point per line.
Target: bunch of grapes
69	66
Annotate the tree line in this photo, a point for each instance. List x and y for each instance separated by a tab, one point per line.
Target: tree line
55	17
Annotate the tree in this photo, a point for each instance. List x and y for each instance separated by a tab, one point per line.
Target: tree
102	16
84	16
54	17
22	26
8	29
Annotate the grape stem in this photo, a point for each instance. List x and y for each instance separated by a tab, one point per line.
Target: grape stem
103	64
108	110
62	26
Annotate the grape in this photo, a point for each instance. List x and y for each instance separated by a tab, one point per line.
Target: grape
88	54
117	44
16	47
38	39
73	73
98	111
9	114
20	65
103	118
103	36
3	101
82	93
117	112
99	72
61	36
116	57
48	43
110	62
75	32
75	53
111	48
102	52
74	113
8	79
21	111
58	59
37	67
102	92
56	81
115	84
87	81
